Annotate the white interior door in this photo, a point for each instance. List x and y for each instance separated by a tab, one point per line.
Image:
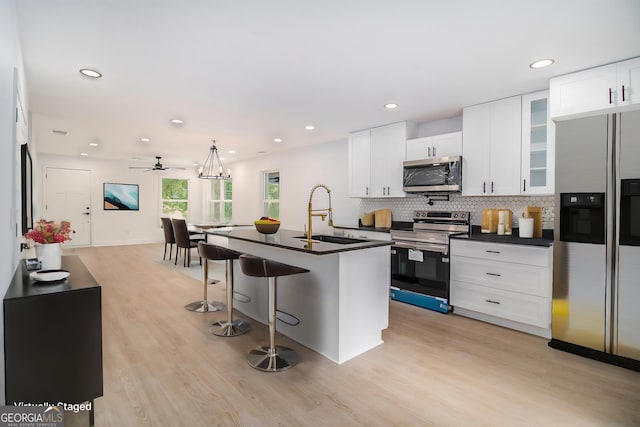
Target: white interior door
68	197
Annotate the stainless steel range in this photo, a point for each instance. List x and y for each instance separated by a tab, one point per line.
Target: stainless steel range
420	258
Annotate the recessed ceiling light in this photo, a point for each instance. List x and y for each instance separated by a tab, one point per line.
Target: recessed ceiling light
177	121
391	105
195	164
145	139
232	151
309	127
277	139
541	63
83	154
90	73
93	144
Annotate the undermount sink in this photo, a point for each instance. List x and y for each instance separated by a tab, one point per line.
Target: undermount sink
333	239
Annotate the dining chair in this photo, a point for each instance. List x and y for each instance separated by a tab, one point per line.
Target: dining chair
169	237
184	241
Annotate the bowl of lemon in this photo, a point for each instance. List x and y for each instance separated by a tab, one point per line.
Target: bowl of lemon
266	225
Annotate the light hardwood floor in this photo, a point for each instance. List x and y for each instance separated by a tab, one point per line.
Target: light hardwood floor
162	367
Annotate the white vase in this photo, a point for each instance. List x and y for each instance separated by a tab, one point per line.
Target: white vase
50	254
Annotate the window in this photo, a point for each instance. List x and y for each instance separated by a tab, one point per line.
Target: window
221	198
271	194
175	197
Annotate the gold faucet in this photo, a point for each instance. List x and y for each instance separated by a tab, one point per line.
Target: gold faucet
327	212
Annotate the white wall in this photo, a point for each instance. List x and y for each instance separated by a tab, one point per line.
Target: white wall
123	227
11	77
300	170
453	124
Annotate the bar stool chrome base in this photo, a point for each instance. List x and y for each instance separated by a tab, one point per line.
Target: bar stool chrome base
230	329
205	306
275	359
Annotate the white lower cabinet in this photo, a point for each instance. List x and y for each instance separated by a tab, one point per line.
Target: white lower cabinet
509	285
366	234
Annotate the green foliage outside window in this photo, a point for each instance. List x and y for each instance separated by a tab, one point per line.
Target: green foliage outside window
272	194
175	197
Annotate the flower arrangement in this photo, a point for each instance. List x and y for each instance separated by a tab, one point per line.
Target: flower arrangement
49	232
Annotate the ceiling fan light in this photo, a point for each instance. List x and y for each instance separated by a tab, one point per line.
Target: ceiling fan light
212	167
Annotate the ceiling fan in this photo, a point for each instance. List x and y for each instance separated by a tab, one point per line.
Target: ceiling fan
157	167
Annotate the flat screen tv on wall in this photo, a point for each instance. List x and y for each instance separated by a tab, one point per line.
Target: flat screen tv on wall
121	197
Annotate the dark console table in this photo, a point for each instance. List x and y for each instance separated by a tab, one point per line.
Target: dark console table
53	338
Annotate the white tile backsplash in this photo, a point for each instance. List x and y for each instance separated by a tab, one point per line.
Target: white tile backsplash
402	208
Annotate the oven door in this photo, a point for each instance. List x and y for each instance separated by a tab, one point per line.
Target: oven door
421	268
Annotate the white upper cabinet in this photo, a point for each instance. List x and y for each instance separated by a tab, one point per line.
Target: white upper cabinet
375	160
359	163
491	148
608	88
445	145
538	145
628	79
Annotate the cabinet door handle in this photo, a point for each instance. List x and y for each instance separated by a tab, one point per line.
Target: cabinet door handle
383	191
524	185
434	151
493	252
492	186
494	274
388	191
610	100
428	151
492	301
366	191
623	94
484	187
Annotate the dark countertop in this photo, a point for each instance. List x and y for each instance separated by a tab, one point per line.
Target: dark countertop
514	239
290	239
22	285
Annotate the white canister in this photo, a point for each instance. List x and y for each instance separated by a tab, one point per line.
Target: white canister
501	217
526	227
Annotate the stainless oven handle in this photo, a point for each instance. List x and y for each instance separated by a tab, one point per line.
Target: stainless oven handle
422	247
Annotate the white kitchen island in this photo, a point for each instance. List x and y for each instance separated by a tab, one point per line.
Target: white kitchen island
342	303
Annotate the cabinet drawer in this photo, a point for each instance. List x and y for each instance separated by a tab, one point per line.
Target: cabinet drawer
521	254
522	308
520	278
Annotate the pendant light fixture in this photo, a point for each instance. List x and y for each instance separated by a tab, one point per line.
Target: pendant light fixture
212	167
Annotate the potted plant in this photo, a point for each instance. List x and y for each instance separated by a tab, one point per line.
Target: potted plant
48	235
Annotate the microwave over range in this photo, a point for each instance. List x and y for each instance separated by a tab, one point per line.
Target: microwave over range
438	174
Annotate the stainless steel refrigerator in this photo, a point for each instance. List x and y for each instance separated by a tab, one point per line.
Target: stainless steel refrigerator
596	283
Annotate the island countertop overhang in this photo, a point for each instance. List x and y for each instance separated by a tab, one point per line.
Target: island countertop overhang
290	239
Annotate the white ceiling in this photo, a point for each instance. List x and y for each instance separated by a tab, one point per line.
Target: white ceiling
245	72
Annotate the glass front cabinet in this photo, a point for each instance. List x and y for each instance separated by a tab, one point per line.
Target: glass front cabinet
538	145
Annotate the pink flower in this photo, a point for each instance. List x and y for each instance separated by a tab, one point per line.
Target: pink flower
49	232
